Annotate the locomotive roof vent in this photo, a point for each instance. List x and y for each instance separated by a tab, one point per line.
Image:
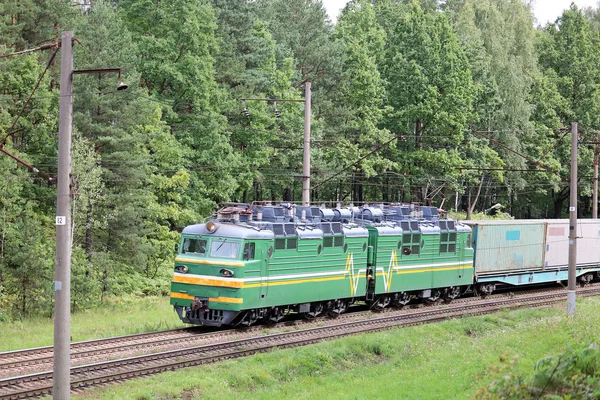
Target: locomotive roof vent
310	214
372	214
341	215
327	214
430	213
398	213
269	213
354	211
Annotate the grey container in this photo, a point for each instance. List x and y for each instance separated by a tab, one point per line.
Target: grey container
508	246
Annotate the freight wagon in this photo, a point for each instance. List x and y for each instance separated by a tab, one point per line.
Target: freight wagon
525	252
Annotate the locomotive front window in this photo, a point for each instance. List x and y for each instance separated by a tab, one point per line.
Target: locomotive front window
194	246
224	249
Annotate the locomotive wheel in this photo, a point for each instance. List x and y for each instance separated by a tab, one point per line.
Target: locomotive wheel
484	290
451	293
586	279
381	302
401	299
251	318
315	310
274	315
336	307
435	295
246	318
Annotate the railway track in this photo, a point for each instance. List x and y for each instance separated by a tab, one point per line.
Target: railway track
216	349
22	362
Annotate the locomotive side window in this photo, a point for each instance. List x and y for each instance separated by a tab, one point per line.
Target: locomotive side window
411	243
448	242
292	243
279	244
248	251
224	249
283	243
194	246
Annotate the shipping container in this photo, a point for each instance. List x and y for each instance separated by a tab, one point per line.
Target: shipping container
557	243
507	246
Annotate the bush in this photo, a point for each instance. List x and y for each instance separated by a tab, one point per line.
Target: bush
571	375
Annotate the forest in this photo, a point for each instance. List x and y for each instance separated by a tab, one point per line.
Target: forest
460	103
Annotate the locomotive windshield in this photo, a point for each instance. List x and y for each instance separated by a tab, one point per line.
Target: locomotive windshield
194	246
224	249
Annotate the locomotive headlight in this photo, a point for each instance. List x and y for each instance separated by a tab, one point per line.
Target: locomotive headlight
181	269
211	227
227	273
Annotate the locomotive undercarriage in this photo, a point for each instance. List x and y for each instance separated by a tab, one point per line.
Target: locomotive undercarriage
430	296
333	308
204	316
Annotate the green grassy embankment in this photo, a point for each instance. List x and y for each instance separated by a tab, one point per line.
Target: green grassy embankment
116	318
449	360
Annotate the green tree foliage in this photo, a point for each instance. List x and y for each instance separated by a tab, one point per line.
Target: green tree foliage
430	90
302	31
499	39
264	143
176	46
29	23
358	101
412	99
569	59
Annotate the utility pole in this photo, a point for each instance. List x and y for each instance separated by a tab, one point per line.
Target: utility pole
306	147
61	386
595	194
572	225
306	158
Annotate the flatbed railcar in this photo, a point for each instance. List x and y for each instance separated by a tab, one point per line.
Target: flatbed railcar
260	261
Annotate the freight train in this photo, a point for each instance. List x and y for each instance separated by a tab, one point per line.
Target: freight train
259	262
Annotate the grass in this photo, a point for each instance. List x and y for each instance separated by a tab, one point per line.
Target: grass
450	360
118	317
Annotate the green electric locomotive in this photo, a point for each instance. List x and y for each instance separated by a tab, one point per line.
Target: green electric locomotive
260	262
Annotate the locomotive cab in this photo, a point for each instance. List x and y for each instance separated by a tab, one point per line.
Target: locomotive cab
209	271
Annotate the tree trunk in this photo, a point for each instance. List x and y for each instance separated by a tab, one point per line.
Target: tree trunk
287	194
88	235
559	200
473	203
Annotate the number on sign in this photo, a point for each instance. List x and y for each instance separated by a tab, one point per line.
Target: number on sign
60	220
